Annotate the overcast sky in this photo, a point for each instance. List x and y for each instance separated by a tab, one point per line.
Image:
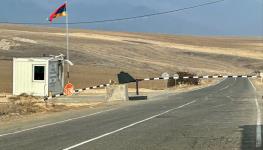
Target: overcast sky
231	17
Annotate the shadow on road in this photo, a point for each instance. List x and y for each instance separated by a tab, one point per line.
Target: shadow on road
249	138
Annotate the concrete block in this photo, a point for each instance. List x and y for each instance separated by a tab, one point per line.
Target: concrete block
117	93
138	97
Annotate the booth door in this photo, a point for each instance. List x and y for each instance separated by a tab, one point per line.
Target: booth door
39	86
55	83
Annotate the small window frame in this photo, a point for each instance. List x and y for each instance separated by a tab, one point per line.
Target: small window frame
33	73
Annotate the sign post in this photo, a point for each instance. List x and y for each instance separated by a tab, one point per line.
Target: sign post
165	75
137	87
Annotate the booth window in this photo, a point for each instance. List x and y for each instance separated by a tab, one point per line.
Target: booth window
39	73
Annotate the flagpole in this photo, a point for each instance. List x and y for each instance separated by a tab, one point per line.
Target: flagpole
67	39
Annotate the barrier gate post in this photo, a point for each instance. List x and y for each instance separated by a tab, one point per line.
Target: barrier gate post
137	87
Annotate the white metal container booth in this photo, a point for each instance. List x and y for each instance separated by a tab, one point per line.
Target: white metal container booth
38	76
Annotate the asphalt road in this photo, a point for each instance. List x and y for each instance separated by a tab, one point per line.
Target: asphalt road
220	117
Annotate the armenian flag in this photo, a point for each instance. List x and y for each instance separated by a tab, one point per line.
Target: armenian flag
60	12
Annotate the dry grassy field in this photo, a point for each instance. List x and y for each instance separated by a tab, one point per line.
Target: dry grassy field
98	56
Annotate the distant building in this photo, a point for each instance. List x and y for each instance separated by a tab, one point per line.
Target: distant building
38	76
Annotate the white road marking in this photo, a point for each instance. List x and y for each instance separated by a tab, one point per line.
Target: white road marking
258	130
230	98
259	138
59	122
218	106
128	126
224	88
253	85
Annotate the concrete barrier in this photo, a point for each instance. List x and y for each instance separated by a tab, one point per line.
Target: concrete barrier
137	97
117	93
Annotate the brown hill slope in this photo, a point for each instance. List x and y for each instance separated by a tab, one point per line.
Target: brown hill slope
100	55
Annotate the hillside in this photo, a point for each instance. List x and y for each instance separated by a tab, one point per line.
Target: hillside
99	55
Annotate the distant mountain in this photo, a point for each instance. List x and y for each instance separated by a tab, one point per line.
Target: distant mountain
231	17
